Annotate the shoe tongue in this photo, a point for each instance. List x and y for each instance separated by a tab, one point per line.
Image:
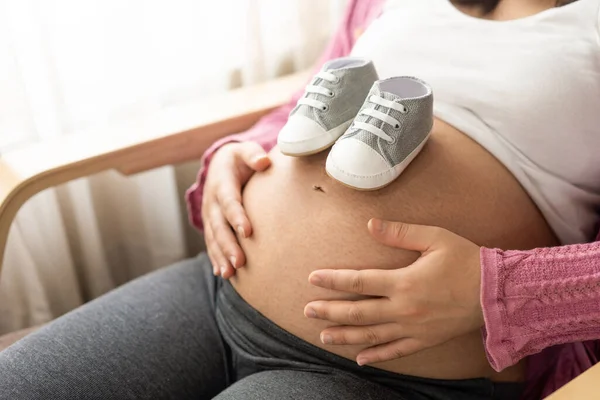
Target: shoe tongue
376	91
327	67
310	112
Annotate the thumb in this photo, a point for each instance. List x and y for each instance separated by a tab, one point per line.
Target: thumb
254	156
405	236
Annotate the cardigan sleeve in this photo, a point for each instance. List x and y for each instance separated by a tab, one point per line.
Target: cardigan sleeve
536	299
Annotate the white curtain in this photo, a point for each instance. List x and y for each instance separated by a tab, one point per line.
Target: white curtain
70	65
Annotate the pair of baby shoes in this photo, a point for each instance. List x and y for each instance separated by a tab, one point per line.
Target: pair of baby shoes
376	127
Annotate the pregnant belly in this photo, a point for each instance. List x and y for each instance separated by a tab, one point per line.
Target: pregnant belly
454	183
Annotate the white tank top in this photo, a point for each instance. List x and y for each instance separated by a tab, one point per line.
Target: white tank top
528	90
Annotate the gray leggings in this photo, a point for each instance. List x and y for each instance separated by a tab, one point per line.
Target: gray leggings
179	333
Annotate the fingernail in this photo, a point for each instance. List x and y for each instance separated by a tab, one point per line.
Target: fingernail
310	313
326	339
316	279
233	260
362	361
240	230
223	270
257	158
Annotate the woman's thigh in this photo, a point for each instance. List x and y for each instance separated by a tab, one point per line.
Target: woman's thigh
306	385
153	338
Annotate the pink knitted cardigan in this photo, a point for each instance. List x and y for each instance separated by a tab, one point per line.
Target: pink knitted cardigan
544	302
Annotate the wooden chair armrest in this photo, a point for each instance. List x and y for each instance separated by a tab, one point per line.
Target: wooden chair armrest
585	387
171	136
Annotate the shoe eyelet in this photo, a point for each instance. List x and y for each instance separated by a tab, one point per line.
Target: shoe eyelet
331	94
393	141
397	126
405	111
325	108
336	81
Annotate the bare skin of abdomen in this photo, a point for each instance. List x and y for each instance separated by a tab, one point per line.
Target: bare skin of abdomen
303	221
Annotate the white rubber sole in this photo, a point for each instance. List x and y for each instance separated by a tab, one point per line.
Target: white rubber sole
314	145
372	182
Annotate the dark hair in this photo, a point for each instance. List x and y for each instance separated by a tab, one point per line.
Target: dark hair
489	5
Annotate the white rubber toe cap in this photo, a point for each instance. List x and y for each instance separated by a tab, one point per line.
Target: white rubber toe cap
299	135
355	164
302	136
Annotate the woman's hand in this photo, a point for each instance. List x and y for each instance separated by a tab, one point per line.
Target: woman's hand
230	169
433	300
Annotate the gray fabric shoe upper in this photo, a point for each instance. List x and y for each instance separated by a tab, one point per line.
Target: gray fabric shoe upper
355	77
415	124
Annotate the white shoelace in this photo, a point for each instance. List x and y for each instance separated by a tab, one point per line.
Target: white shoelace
378	115
326	76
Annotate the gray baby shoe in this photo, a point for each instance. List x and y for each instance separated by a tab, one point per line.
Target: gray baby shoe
328	106
389	131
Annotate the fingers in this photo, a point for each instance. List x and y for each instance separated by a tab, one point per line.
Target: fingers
229	198
405	236
208	240
248	157
357	335
226	242
217	259
223	209
389	351
362	312
373	282
222	204
254	156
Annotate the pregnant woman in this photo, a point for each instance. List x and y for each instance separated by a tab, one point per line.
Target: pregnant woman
509	164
